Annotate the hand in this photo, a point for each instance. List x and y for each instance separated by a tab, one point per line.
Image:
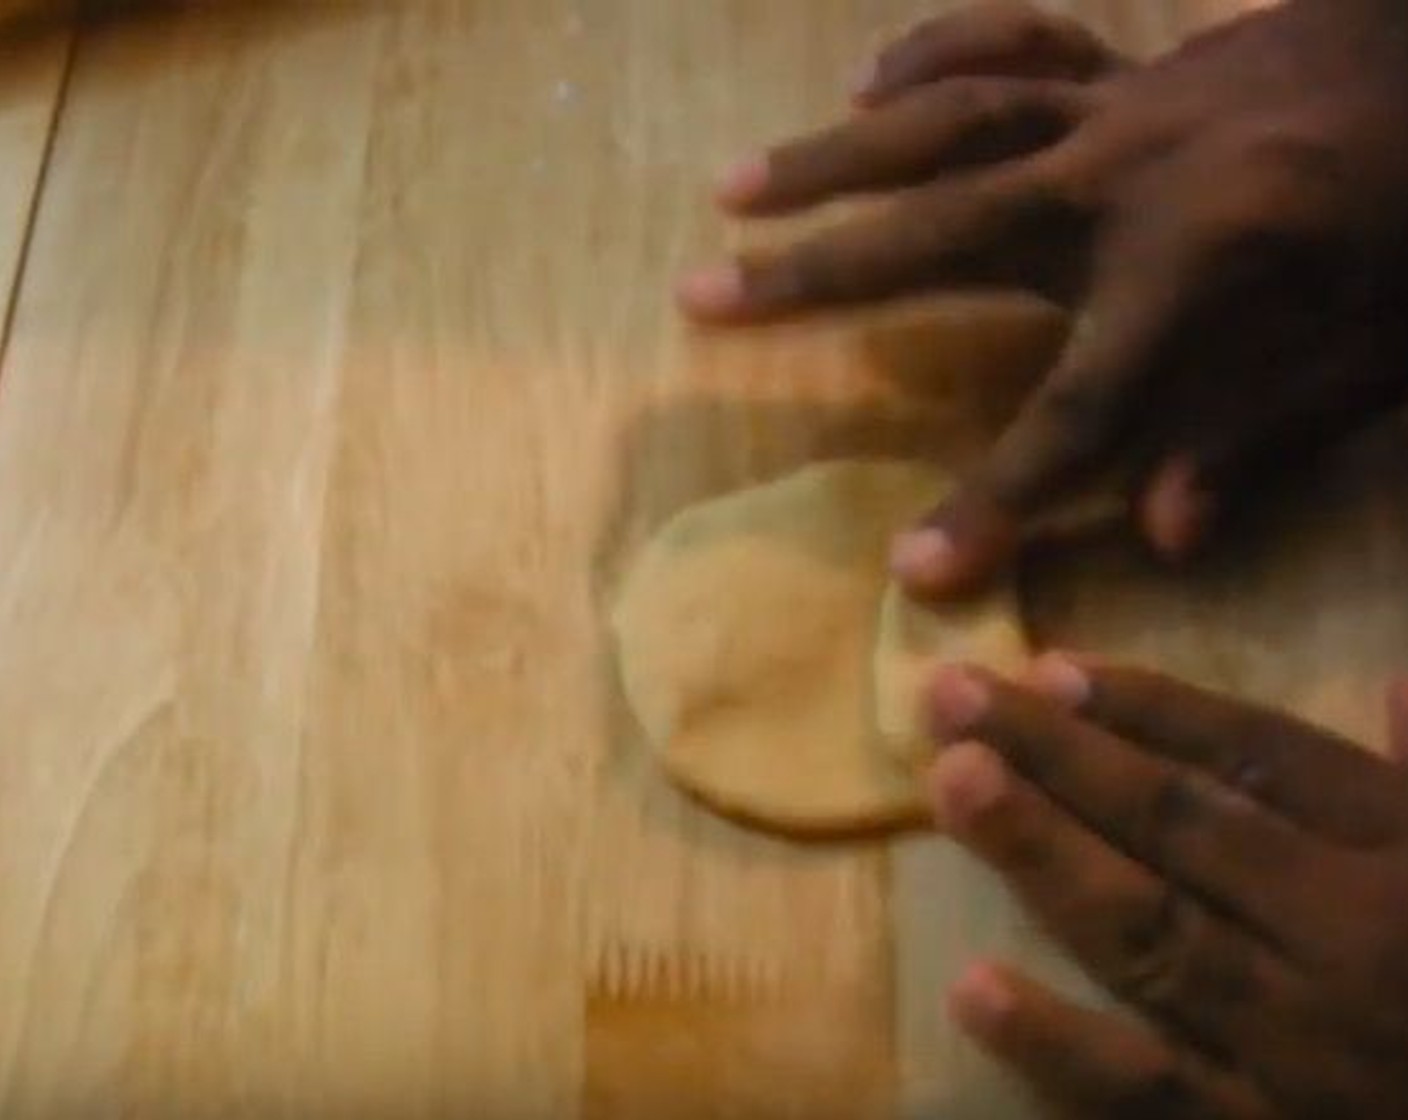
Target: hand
1237	876
1229	223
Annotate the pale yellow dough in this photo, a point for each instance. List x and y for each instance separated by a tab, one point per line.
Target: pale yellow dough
912	639
746	636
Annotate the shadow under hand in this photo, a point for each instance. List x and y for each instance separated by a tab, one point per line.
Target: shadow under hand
933	382
1299	603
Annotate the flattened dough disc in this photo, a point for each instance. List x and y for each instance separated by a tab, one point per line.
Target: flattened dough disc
746	636
747	641
912	639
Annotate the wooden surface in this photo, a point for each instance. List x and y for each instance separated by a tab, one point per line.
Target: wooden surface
341	380
34	64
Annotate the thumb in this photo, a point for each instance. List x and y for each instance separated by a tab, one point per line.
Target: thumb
1230	462
1176	510
956	548
1070	426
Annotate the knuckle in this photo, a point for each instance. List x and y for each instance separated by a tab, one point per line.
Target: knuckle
1150	954
1279	186
1034	33
1077	171
1015	27
1295	156
981	101
1028	29
1177	801
1249	772
1033	195
1008	835
1011	837
972	98
907	53
810	272
1075	411
830	157
1165	957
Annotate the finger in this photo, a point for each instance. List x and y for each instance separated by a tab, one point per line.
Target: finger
993	227
1086	1063
1215	466
1175	819
1318	779
1148	942
1161	281
995	38
1068	427
954	124
1175	511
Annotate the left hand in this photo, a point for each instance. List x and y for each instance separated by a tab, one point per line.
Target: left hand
1228	225
1237	876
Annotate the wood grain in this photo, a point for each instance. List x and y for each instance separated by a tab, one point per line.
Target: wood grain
342	381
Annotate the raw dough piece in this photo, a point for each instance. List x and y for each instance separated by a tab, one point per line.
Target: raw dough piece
912	638
747	644
746	638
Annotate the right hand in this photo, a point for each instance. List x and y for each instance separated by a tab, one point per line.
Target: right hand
1228	223
1232	875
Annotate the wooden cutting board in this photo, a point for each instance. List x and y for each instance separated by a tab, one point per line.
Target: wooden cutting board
341	377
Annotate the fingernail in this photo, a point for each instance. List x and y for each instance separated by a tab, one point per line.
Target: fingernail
744	181
981	999
716	290
922	558
864	79
957	701
1059	678
964	784
1177	508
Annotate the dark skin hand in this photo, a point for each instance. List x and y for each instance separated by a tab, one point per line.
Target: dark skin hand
1228	225
1237	876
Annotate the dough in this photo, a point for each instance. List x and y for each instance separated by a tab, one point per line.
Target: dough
912	638
746	636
